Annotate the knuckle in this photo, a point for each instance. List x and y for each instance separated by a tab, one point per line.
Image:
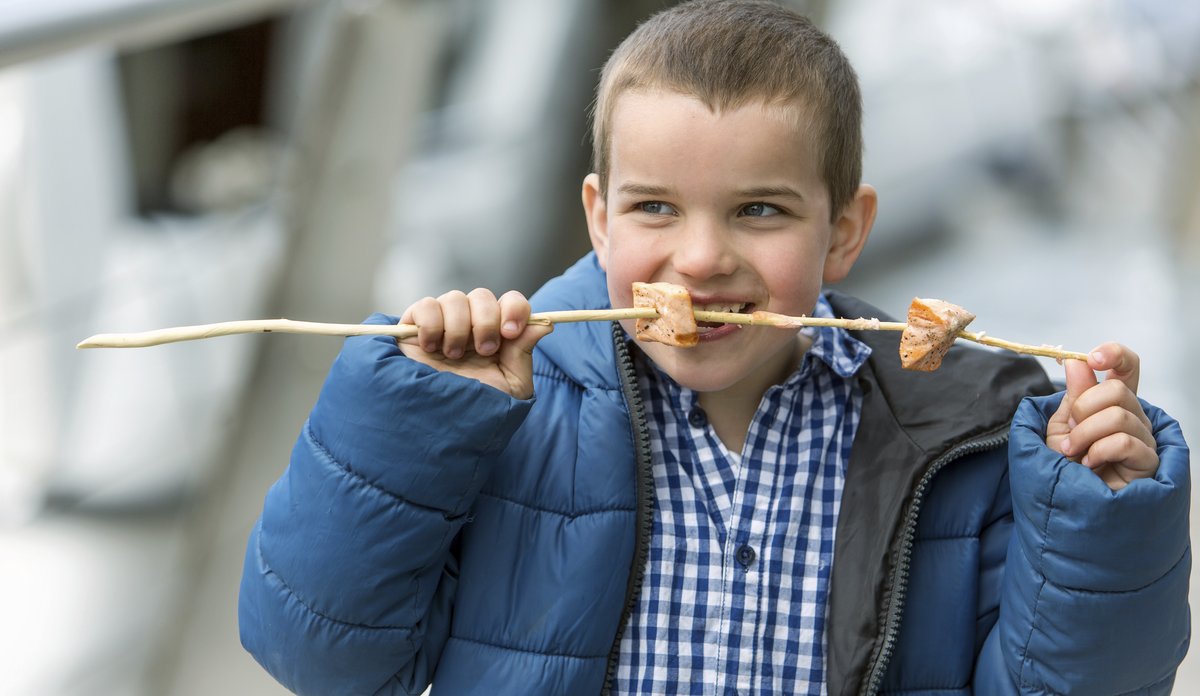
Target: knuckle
514	302
485	314
1113	388
457	331
1125	443
483	294
1130	421
429	318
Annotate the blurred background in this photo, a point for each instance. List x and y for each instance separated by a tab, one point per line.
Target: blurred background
168	162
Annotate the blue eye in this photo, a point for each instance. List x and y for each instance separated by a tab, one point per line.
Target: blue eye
760	210
655	208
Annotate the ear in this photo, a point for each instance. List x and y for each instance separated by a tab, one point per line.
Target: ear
850	232
596	209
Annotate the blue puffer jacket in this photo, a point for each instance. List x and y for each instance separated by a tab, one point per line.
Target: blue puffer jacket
430	528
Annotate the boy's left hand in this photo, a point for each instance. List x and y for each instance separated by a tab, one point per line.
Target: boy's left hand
1101	424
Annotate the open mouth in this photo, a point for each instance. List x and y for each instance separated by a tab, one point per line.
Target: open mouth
735	308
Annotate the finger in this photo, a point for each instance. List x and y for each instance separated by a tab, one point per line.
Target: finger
426	313
514	314
456	313
1108	394
485	320
1111	421
1119	362
1134	458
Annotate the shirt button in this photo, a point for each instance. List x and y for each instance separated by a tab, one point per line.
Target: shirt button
745	555
697	418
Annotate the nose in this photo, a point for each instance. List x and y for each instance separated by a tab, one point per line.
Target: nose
705	249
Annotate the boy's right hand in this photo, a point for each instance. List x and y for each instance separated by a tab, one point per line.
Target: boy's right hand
478	336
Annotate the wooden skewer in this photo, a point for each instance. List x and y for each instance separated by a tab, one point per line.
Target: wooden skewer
157	337
191	333
1055	352
784	321
176	334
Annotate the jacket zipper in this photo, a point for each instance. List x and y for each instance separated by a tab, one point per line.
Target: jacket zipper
895	608
645	496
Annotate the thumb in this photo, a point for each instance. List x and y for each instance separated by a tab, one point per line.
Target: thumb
1120	362
516	359
529	338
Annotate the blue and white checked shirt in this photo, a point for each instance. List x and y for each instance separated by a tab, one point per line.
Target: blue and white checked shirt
736	585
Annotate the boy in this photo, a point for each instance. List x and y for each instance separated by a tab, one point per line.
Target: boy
767	512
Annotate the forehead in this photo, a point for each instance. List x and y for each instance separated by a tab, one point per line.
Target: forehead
662	130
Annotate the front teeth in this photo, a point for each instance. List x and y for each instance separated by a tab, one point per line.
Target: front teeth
736	308
705	327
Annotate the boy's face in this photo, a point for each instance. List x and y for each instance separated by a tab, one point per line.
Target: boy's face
732	207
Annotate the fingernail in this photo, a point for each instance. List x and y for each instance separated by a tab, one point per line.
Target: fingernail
1065	447
1071	422
1098	356
1084	461
430	347
454	353
510	327
487	347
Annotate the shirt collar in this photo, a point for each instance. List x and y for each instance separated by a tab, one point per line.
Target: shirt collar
834	346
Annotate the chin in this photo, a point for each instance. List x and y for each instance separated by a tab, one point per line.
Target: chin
700	378
726	363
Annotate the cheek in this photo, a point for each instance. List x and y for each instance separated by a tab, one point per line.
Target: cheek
620	293
794	280
626	264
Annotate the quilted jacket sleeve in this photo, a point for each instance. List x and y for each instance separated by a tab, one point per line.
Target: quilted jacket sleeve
349	577
1094	596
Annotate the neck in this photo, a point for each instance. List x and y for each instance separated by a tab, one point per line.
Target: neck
731	410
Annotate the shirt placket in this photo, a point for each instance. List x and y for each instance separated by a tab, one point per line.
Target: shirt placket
747	528
707	480
761	467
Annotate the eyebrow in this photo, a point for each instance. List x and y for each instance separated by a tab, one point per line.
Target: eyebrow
770	192
633	188
636	189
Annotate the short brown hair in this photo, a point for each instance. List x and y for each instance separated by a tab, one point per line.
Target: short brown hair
728	53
